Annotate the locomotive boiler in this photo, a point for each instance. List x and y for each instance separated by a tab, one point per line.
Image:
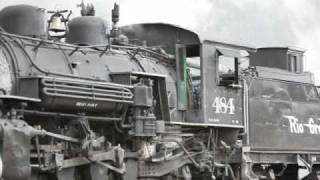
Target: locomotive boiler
148	102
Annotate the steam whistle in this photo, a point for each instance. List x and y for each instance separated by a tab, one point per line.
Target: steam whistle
115	19
115	13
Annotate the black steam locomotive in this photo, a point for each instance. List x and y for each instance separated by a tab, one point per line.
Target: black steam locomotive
148	102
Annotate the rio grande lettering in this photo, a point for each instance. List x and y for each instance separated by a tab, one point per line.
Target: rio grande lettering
300	128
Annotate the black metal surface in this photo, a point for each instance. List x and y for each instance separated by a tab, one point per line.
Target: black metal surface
24	20
29	87
86	30
284	116
143	96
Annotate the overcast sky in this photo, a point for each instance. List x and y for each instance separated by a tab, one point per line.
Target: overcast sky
257	23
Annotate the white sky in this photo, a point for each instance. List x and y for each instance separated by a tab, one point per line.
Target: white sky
250	22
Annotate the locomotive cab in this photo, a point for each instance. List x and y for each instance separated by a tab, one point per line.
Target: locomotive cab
208	89
221	88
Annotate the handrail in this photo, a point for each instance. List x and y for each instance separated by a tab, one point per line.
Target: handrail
141	48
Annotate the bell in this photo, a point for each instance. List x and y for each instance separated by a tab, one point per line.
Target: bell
56	24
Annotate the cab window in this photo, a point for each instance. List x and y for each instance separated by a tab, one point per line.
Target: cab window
229	63
226	65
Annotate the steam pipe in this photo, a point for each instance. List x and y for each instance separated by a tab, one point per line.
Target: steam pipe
236	70
91	118
246	111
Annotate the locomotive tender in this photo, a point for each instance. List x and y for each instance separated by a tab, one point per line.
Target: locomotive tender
148	102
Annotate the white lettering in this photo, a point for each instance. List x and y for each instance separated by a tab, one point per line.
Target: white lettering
313	128
213	120
299	128
82	104
295	127
223	105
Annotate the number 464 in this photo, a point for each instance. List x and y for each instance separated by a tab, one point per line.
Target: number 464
223	105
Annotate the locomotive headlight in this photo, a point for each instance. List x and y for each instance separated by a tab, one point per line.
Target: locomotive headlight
5	75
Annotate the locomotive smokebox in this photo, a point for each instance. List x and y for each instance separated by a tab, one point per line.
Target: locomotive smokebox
87	30
24	20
